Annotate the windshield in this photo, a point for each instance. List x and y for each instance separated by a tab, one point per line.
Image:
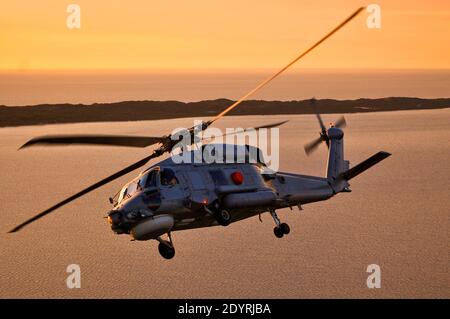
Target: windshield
122	194
129	191
145	181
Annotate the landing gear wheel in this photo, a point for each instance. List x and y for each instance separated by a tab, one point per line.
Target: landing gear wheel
278	232
166	250
223	217
285	228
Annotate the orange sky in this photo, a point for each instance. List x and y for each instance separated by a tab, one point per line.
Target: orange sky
238	34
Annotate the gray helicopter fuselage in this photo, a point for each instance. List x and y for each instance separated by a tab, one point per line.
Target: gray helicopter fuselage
186	201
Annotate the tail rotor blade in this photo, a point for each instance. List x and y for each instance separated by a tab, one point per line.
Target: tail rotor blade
311	146
319	118
340	123
322	126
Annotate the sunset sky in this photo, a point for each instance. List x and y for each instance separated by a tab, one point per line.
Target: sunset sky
232	34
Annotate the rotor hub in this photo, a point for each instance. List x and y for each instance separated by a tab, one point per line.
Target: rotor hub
335	133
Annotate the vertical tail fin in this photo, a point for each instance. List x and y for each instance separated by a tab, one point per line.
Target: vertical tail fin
336	163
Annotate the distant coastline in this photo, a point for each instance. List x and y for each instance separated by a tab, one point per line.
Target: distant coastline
157	110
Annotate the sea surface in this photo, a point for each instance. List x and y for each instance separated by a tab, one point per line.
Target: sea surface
397	217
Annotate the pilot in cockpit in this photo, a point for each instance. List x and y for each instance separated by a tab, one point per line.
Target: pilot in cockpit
168	177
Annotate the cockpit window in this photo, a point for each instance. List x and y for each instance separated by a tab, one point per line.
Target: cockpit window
150	180
145	181
168	177
122	195
131	189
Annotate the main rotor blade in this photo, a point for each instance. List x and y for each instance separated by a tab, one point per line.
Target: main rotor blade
251	129
116	140
85	191
311	146
270	125
263	83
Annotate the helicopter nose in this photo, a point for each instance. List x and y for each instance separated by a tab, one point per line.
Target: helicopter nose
114	217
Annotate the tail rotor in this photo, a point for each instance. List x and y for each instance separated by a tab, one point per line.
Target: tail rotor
312	146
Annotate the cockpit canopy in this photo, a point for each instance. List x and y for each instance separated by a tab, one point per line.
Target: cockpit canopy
154	177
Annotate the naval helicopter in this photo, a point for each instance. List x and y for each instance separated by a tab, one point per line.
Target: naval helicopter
170	195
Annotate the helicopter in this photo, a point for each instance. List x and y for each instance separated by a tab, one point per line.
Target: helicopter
170	196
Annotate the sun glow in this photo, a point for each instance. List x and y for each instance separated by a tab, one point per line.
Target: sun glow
180	35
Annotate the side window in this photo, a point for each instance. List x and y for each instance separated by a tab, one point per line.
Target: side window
168	177
151	179
139	184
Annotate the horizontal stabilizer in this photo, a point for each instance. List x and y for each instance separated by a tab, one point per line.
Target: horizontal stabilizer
361	167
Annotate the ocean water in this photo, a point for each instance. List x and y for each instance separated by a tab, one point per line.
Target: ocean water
33	87
396	217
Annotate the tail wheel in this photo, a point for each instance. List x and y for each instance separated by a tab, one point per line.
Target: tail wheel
285	228
166	250
278	232
223	217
